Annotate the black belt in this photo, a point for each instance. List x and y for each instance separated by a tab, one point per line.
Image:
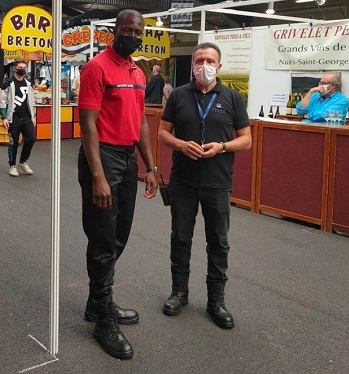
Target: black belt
129	149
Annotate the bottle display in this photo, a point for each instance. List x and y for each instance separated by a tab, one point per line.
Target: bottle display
294	103
271	114
261	112
289	106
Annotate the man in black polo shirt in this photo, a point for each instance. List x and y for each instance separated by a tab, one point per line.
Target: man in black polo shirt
18	116
198	124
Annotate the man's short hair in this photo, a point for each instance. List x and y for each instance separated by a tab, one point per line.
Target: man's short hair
120	17
208	45
19	61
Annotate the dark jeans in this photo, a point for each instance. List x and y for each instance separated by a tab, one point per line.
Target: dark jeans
215	205
25	126
107	231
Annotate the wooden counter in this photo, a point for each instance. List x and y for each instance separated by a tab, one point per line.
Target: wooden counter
292	170
244	173
338	186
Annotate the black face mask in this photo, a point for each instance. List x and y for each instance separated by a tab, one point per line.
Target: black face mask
126	45
21	71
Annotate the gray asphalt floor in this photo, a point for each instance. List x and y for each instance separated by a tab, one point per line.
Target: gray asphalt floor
287	289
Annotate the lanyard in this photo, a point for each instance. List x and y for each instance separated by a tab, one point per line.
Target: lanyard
204	114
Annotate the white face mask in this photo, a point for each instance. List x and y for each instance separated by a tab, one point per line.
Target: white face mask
205	74
325	87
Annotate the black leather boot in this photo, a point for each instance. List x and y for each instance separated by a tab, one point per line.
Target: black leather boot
124	316
108	333
173	305
220	315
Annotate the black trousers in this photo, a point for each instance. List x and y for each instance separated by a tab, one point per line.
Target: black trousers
215	205
107	231
24	125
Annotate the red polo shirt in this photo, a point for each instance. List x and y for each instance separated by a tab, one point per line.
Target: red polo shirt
115	87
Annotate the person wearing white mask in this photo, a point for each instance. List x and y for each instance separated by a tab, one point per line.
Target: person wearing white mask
198	125
324	97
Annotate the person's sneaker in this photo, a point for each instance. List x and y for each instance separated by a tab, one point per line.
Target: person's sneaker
25	167
13	171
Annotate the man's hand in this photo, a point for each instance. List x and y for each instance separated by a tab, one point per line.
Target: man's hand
6	123
211	149
151	186
192	150
101	194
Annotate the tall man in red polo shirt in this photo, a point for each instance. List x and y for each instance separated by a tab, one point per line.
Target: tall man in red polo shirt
112	120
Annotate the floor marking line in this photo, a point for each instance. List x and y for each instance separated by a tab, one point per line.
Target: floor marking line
43	364
37	341
37	366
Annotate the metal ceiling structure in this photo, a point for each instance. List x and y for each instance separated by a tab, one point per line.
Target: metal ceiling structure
76	12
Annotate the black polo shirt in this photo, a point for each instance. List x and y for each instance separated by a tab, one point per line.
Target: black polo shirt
227	113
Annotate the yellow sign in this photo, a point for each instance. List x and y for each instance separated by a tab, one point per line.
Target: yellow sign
156	43
27	28
13	55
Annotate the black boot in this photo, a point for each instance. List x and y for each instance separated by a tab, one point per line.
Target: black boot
108	333
124	316
173	305
220	315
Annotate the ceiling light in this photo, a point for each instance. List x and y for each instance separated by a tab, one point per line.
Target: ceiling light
159	22
270	9
304	1
320	2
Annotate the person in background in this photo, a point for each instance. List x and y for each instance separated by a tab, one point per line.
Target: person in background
155	86
198	123
4	79
18	116
167	90
113	124
76	83
326	96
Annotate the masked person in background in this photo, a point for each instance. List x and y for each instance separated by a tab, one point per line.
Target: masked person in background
18	116
198	124
322	98
113	124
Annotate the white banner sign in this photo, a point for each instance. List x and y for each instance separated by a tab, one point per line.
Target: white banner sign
182	20
235	47
308	47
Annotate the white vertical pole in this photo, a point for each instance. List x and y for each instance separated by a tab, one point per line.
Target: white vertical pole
92	29
202	28
55	173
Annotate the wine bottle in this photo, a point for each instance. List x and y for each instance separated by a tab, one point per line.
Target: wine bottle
277	113
261	112
294	103
271	115
289	106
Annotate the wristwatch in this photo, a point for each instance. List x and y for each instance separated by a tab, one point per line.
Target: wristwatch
224	147
152	170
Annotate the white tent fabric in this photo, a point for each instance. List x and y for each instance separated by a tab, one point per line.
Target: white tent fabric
55	132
